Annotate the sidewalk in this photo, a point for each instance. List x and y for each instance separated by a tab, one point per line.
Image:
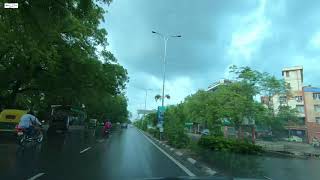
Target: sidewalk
300	149
290	147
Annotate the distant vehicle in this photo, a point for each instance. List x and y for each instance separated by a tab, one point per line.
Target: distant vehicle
93	123
62	116
124	125
205	132
9	118
293	139
60	119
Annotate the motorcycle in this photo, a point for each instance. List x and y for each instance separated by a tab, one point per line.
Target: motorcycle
315	143
106	133
24	137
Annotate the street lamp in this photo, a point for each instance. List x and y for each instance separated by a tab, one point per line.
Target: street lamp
165	40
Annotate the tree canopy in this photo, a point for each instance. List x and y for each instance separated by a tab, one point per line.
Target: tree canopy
56	51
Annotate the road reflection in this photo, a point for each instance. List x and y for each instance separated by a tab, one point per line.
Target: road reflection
235	164
56	141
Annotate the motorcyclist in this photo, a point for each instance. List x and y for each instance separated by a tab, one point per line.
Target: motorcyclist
30	123
107	126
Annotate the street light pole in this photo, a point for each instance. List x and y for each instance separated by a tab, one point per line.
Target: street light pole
164	68
165	40
145	99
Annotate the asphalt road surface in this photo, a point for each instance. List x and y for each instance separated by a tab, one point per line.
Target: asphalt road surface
84	154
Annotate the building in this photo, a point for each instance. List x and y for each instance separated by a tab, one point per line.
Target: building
305	99
216	84
311	96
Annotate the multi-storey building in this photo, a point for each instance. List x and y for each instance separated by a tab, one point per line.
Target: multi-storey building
311	96
216	84
305	99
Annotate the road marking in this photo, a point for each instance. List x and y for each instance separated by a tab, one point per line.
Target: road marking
179	153
267	177
86	149
210	171
192	161
100	140
36	176
187	171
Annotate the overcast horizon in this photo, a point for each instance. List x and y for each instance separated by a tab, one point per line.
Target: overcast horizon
265	35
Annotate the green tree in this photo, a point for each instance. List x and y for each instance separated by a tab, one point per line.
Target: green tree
202	107
48	51
174	126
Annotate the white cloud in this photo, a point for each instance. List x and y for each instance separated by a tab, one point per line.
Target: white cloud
251	32
310	67
315	41
178	88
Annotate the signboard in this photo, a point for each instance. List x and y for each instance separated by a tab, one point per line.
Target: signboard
144	111
161	110
188	124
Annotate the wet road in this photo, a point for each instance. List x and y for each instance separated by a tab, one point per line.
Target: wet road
83	154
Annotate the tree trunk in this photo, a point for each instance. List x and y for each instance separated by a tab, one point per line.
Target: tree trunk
240	133
253	135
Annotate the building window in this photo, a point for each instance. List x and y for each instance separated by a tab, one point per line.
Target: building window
288	85
318	120
316	96
299	98
283	99
287	73
301	121
300	108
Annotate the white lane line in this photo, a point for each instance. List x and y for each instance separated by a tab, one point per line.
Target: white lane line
86	149
170	157
179	153
192	161
267	177
100	140
36	176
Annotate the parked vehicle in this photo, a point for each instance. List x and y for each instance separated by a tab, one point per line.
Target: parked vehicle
293	139
315	143
24	137
9	118
205	132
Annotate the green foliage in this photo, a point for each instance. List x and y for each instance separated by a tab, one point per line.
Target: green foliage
202	107
230	145
141	124
151	119
174	127
49	49
154	132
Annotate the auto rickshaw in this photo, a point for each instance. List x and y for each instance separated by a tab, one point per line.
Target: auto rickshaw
9	118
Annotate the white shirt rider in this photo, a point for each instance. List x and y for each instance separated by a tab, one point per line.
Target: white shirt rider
28	120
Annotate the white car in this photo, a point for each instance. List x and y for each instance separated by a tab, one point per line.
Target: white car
294	139
205	132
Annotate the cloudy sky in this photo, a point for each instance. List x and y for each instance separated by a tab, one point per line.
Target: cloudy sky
265	35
